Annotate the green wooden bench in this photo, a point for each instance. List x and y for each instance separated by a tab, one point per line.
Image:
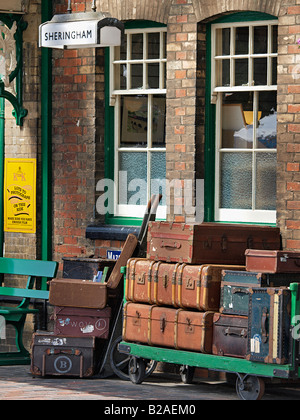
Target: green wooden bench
16	315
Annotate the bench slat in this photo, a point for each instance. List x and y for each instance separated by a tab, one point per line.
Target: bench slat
28	267
24	293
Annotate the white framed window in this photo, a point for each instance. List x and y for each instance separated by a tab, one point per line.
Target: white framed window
244	89
138	94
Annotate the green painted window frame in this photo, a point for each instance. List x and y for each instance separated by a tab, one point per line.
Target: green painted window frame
109	132
210	114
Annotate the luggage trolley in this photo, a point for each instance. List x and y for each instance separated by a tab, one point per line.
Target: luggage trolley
250	383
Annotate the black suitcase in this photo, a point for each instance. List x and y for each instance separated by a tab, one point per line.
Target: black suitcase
62	356
230	335
269	325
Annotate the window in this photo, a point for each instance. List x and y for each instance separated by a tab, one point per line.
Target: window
244	89
138	94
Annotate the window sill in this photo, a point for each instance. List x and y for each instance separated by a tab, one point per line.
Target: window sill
111	232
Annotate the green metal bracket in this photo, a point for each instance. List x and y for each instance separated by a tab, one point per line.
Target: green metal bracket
16	25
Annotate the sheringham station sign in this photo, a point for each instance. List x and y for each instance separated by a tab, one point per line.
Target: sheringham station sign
76	30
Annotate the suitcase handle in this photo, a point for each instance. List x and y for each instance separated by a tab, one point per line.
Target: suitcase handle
70	352
175	245
242	290
238	332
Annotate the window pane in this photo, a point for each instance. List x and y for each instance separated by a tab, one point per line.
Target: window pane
237	120
260	40
274	39
223	72
137	46
153	45
266	181
153	76
123	49
120	82
260	71
241	72
134	118
158	175
159	121
236	181
134	181
223	41
136	76
267	124
242	40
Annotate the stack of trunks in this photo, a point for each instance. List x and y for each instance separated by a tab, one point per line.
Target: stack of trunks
196	291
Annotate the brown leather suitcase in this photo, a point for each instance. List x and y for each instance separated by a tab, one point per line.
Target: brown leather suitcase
164	283
63	356
77	293
268	261
230	335
82	322
152	282
136	318
198	286
139	280
163	326
208	243
175	284
167	327
194	331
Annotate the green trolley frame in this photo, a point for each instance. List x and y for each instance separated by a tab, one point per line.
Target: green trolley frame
250	382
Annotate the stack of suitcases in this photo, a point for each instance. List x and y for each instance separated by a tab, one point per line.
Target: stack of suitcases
83	313
205	288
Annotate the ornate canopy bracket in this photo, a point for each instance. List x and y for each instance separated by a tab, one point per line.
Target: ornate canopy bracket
11	48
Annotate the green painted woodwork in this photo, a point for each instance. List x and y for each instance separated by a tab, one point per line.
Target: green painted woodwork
46	134
207	361
17	101
16	315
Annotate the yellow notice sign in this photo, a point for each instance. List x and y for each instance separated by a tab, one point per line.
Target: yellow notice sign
20	195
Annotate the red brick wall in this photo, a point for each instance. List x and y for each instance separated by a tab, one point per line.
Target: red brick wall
288	175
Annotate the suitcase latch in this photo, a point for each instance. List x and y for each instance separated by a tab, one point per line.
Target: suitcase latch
189	328
224	243
141	279
162	323
190	284
137	320
165	281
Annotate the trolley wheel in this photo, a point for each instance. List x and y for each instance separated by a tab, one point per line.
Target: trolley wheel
250	388
136	370
187	374
119	362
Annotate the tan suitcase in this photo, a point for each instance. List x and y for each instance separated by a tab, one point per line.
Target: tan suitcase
136	318
199	286
168	327
139	280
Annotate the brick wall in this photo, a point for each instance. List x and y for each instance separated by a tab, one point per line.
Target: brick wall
181	101
288	174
